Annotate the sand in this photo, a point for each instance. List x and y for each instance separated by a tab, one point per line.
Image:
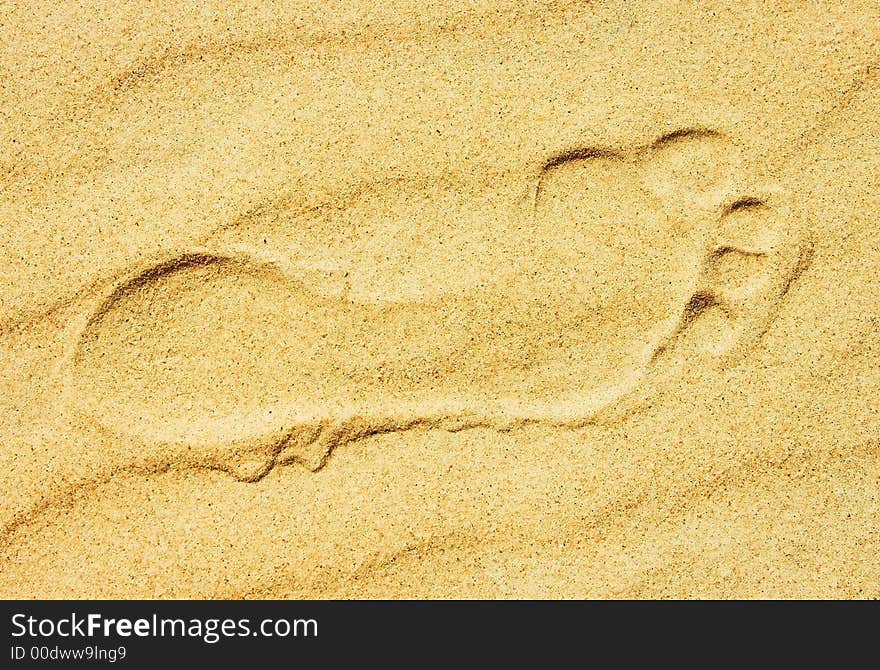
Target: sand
468	299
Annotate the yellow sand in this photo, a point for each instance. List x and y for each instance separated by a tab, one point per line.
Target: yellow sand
453	299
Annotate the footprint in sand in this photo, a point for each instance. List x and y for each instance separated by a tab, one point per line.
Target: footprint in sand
296	331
